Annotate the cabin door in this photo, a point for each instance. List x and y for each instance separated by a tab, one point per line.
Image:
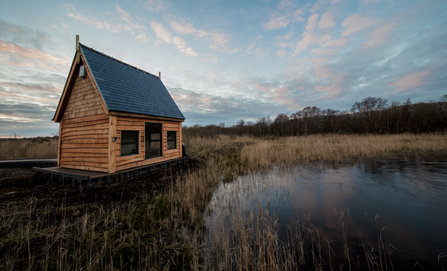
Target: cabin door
152	134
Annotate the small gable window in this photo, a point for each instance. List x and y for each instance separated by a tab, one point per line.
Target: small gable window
172	140
129	142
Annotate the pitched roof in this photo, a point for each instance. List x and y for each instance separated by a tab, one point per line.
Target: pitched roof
128	89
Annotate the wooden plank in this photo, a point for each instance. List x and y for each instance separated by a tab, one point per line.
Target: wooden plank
81	136
85	159
92	150
77	155
88	119
86	140
99	126
84	124
129	159
84	145
111	163
89	132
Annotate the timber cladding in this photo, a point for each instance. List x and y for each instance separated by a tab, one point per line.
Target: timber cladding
84	143
138	124
84	101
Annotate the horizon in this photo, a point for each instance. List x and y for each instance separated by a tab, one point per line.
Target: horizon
227	61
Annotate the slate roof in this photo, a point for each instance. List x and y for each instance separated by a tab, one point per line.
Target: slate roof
128	89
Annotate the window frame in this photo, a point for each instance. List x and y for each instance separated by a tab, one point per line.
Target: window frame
138	143
175	140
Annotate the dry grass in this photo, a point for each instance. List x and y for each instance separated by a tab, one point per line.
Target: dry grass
339	148
28	148
165	231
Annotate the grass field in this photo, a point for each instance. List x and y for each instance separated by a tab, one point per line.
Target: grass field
28	148
156	222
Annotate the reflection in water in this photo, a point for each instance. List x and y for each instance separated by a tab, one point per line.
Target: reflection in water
406	198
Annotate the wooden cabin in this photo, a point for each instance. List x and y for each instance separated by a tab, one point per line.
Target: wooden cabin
114	116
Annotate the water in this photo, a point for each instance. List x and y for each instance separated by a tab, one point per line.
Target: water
404	197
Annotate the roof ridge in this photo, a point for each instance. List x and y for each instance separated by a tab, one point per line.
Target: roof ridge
115	59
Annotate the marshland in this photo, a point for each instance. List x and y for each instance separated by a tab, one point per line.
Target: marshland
170	219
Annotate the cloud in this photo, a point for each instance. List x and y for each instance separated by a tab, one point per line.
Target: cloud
210	58
324	38
276	21
15	55
281	53
335	43
220	42
410	81
183	28
312	22
181	45
326	21
161	32
152	5
128	26
308	37
142	36
201	33
380	35
355	23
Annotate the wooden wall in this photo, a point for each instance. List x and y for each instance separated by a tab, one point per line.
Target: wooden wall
83	101
84	143
84	130
133	124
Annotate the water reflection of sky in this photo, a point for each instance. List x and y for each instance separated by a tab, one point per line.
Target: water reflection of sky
409	195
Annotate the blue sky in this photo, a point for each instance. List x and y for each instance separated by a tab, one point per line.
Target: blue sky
223	61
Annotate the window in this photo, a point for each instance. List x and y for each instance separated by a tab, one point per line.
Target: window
152	134
172	140
129	142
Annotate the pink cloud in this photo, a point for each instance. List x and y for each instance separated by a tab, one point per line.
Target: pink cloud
183	28
335	43
355	23
277	20
380	35
16	55
326	21
410	81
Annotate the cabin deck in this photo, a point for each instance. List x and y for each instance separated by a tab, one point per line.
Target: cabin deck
97	179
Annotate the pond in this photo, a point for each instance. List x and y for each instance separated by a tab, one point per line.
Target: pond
389	212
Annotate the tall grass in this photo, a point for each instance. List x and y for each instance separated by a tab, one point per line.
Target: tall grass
339	148
165	230
28	148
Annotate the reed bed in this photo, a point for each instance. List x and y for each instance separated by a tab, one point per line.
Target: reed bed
164	230
28	148
340	148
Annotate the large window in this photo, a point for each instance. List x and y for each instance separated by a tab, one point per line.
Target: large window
129	142
172	140
152	134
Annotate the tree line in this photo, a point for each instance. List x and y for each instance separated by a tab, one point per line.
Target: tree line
371	115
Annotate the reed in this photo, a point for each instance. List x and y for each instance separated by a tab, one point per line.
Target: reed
28	148
341	148
165	229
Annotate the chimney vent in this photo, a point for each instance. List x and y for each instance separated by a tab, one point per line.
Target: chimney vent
77	43
159	75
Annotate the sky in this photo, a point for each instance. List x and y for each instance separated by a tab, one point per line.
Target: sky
223	61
